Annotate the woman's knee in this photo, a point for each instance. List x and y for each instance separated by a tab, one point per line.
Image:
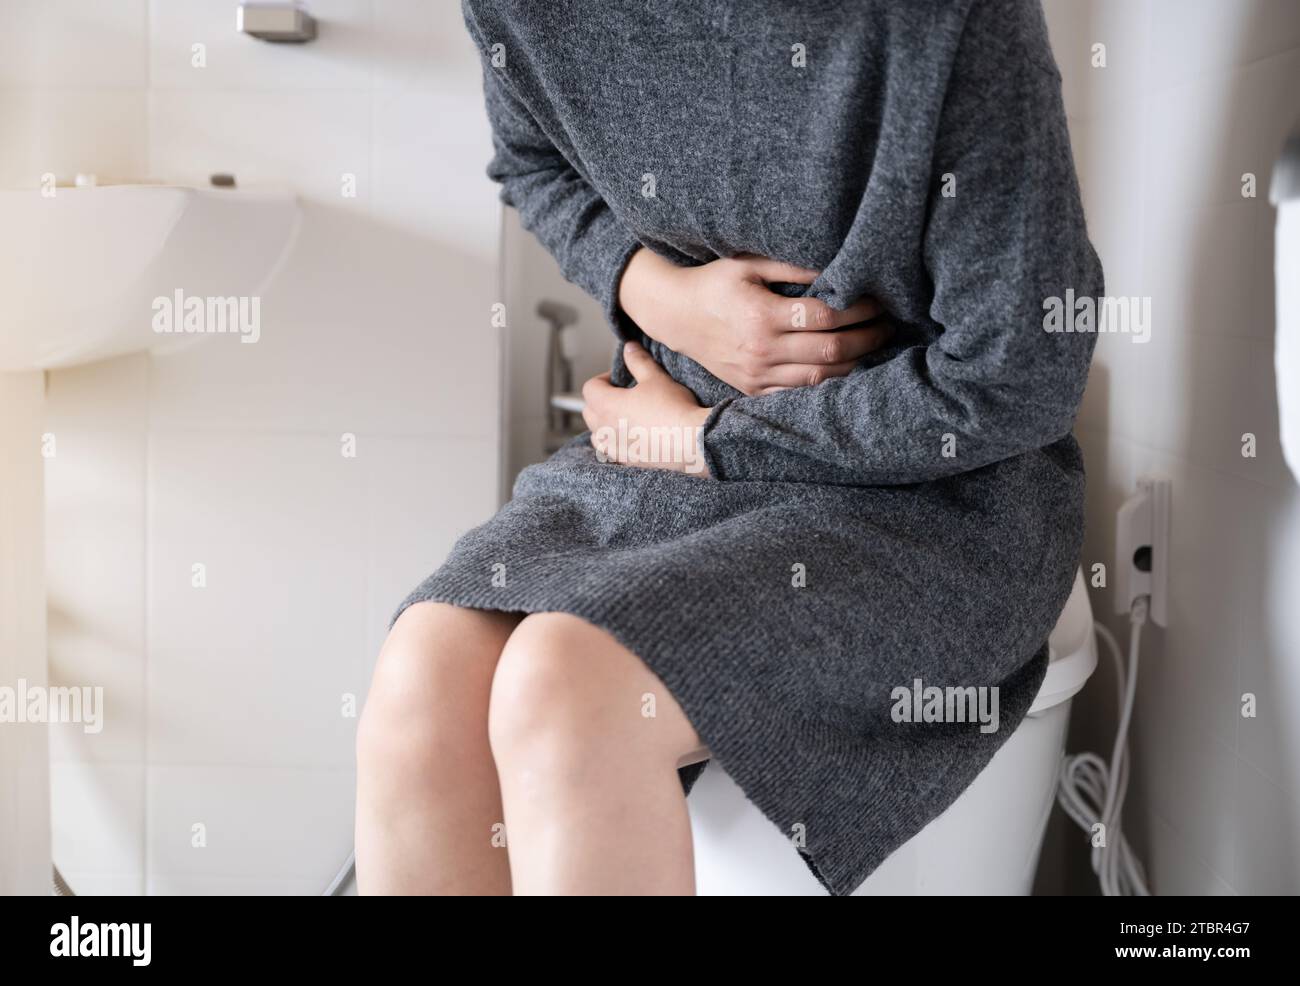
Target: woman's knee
566	691
434	669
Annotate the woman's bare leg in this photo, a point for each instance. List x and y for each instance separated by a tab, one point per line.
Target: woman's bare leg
587	741
427	793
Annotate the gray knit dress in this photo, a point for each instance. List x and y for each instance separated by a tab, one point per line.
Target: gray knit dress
920	518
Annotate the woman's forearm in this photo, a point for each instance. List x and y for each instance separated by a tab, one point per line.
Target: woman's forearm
645	293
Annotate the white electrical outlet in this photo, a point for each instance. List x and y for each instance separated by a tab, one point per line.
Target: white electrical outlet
1142	549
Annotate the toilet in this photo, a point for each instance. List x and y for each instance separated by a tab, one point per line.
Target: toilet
986	842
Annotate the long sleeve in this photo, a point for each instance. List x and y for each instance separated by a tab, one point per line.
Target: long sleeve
555	202
994	383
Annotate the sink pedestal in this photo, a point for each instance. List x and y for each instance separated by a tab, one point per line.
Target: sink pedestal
25	865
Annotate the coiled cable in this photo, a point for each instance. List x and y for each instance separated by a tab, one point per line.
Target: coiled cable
1092	792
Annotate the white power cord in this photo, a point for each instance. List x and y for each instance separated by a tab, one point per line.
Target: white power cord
1092	793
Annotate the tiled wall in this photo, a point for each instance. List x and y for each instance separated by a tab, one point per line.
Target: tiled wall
226	704
1194	94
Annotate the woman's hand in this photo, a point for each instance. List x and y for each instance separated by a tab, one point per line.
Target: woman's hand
723	316
655	424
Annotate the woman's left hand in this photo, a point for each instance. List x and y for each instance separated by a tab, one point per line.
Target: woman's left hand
657	424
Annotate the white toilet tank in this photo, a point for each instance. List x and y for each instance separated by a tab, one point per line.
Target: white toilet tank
986	843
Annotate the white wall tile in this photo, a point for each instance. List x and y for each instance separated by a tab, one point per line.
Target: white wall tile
1110	155
1191	37
94	548
1195	396
74	43
97	816
421	495
1195	272
1181	873
253	668
367	329
421	45
315	143
100	132
423	144
1267	862
65	132
1141	384
18	168
1123	28
1199	142
96	416
341	56
1182	773
96	641
108	394
279	830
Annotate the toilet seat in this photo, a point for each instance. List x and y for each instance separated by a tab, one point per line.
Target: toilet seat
1072	651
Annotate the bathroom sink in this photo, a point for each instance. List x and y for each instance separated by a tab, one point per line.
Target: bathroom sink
90	273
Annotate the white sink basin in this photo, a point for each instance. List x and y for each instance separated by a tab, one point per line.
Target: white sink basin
80	271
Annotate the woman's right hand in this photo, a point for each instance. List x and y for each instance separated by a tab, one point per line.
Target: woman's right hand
724	317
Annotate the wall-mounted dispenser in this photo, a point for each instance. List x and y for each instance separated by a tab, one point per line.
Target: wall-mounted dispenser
282	21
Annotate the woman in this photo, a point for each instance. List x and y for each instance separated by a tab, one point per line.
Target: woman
845	507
